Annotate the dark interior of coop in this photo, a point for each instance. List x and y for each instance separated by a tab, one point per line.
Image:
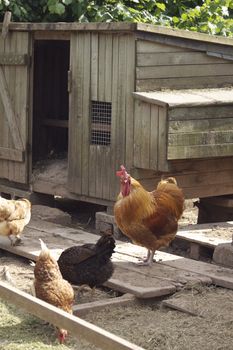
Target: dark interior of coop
50	99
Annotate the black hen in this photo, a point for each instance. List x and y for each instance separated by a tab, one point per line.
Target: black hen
89	263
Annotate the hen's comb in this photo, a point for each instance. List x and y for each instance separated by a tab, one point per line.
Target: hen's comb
122	172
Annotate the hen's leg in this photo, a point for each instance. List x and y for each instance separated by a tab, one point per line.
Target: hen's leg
18	240
11	240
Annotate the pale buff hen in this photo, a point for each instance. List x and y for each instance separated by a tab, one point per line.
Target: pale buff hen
14	216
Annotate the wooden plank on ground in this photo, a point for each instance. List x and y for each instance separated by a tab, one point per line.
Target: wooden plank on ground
124	281
220	276
140	285
142	282
83	309
182	306
210	303
78	327
57	238
176	277
165	277
207	235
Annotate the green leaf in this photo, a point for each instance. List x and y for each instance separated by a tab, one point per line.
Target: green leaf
67	2
161	6
184	16
57	8
175	20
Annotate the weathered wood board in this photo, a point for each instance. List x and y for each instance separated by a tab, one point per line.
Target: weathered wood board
220	276
163	278
209	235
83	309
78	327
207	303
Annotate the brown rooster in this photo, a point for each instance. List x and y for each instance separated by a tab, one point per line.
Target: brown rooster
14	216
50	286
149	219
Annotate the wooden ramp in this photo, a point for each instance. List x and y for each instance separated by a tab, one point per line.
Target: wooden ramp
205	235
209	235
165	277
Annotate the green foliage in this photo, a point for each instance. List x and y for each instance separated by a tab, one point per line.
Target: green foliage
214	17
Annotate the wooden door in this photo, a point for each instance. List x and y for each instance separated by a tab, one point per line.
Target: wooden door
103	75
79	87
14	93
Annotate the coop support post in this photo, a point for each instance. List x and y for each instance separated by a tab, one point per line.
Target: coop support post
6	23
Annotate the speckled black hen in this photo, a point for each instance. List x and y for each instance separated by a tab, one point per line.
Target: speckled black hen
89	263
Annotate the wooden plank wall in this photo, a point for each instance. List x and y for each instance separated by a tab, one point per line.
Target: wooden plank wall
197	177
200	132
164	66
103	69
150	136
16	77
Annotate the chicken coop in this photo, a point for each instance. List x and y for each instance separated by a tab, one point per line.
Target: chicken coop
77	100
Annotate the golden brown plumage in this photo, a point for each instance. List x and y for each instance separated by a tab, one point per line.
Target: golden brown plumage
14	216
50	286
149	219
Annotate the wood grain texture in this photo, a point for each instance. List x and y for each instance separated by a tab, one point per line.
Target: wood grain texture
78	327
14	106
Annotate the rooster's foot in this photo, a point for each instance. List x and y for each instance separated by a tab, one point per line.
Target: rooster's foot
148	261
145	263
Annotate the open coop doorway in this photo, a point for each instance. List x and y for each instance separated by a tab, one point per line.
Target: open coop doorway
50	111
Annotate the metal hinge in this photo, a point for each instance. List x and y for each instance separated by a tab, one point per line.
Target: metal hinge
69	81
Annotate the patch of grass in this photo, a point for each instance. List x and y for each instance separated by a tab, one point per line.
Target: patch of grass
22	331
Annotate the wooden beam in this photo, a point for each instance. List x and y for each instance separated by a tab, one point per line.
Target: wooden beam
112	27
9	112
6	23
209	44
78	327
15	192
59	123
46	35
176	304
13	59
199	151
184	34
83	309
11	154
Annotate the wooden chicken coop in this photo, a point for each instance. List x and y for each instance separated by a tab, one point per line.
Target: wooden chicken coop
77	100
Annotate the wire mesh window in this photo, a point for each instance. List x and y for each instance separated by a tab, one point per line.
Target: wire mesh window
101	116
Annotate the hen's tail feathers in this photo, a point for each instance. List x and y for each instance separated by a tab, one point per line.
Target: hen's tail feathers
105	245
45	252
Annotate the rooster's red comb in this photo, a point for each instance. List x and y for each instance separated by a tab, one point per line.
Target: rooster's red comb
122	172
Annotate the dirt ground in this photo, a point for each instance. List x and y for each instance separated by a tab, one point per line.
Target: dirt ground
148	324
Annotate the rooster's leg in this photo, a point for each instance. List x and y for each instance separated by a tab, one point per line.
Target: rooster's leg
149	259
151	256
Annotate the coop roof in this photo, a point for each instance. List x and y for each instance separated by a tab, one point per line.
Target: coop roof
122	27
188	97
